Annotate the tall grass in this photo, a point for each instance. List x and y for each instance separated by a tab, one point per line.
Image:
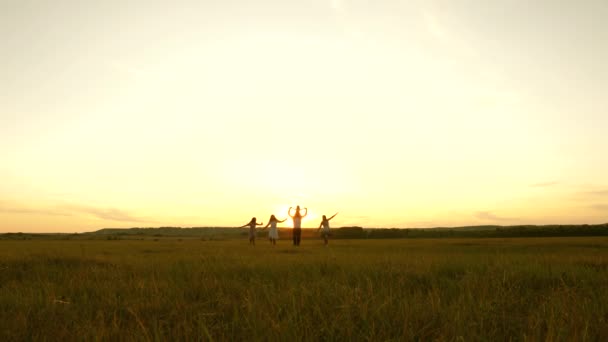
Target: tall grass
449	289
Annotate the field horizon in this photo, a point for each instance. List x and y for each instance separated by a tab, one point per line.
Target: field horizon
353	232
107	230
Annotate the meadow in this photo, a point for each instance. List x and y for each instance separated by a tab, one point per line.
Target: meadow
451	289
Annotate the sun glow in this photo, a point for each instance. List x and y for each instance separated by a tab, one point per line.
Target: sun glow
395	114
281	213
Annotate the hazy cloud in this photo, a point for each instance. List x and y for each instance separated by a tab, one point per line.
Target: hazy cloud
111	214
591	194
599	207
489	216
356	220
544	184
597	193
11	209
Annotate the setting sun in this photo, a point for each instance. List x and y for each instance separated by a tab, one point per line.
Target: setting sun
311	220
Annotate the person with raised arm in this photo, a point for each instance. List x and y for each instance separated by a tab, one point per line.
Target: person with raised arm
273	234
297	223
252	224
325	225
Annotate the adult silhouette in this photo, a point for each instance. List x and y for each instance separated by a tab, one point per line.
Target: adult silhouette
325	225
273	234
297	223
252	224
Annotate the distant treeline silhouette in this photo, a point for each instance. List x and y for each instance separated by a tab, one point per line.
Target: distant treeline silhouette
338	233
491	231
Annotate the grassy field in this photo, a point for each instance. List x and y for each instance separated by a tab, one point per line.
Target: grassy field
423	289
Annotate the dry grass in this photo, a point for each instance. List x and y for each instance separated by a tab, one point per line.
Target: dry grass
444	289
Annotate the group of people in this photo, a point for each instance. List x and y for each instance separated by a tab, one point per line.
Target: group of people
297	216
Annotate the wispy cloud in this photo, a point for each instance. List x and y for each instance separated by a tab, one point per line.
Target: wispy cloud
111	214
599	207
544	184
597	193
356	220
591	194
490	216
16	209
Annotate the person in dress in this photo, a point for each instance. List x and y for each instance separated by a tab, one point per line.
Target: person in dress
273	234
297	223
252	224
325	225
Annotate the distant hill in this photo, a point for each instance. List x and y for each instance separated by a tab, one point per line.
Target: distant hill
220	233
493	231
372	233
172	231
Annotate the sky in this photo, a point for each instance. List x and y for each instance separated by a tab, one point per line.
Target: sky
392	113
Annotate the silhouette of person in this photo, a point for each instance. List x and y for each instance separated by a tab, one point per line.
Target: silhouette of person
325	225
273	234
297	224
252	225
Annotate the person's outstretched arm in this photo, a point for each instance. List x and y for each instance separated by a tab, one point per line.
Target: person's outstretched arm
245	225
267	224
259	224
281	221
306	213
289	212
332	216
320	225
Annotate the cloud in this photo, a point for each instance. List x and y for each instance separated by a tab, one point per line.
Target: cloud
597	193
544	184
17	209
591	195
599	207
490	216
111	214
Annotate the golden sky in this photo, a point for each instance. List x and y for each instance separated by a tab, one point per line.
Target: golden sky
394	113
